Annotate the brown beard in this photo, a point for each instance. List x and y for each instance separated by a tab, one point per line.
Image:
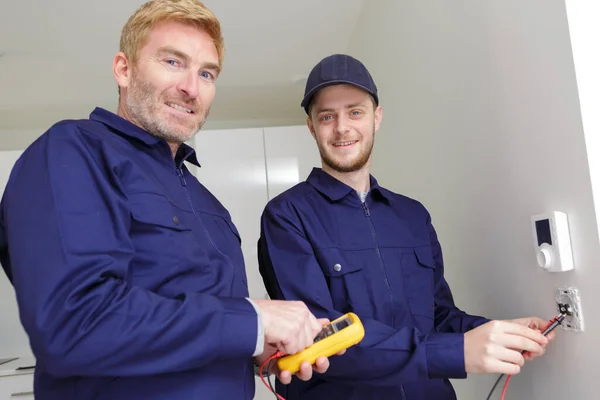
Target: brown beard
141	99
356	165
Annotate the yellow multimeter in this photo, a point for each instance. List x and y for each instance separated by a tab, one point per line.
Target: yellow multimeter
340	334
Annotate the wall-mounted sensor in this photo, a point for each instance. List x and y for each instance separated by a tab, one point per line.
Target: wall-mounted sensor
552	241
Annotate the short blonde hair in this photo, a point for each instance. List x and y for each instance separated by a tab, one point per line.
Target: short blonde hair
190	12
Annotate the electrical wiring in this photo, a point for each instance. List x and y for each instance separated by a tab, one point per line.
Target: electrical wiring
505	387
271	385
268	363
552	324
494	387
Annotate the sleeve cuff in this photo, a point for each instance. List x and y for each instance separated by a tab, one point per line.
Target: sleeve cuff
446	356
238	328
260	337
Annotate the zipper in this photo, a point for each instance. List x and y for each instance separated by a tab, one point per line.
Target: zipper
210	239
381	266
385	277
182	178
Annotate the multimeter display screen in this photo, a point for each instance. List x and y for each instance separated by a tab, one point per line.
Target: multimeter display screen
342	324
333	328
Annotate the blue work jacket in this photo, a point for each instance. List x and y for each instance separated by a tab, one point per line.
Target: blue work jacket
381	260
128	272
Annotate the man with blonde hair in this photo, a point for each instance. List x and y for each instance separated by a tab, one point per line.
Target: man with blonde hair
128	272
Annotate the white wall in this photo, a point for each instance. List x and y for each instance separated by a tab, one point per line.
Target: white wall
482	123
16	140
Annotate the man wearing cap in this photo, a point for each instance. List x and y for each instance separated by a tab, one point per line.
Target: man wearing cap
342	243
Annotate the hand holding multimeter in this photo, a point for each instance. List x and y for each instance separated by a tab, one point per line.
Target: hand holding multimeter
340	334
334	338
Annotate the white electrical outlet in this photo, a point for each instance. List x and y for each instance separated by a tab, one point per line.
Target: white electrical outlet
568	302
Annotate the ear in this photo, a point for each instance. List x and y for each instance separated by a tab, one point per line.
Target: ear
378	116
122	70
311	128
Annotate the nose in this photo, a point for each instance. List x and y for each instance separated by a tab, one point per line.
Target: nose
189	85
342	127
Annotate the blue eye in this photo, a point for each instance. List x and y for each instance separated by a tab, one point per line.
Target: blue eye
173	63
207	75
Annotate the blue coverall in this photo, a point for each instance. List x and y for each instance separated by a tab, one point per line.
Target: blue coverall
128	272
380	259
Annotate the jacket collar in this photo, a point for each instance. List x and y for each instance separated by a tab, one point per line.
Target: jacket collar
130	130
336	190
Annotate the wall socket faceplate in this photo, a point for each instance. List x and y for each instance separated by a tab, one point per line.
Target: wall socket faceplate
568	302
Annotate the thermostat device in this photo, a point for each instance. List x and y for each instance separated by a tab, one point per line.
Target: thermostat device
344	332
552	241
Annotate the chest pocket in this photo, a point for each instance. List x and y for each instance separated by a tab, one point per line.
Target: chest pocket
154	212
418	268
157	213
162	237
345	280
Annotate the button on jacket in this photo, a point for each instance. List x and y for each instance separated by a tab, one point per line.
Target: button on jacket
381	260
128	272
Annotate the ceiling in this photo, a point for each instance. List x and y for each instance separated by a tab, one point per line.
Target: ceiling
55	56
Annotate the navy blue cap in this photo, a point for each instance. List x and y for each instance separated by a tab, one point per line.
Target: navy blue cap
337	69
